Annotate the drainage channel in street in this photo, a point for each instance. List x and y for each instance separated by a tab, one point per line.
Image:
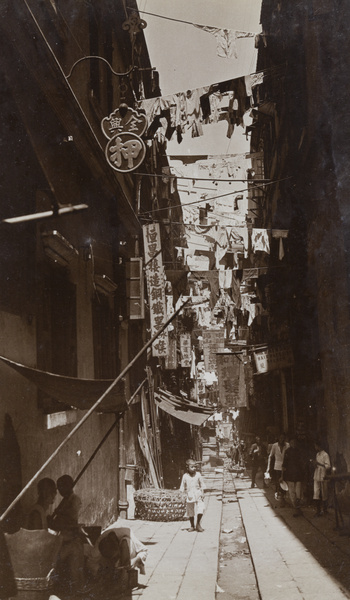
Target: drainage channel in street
236	576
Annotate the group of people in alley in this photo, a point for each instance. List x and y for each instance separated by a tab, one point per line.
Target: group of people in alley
292	467
82	566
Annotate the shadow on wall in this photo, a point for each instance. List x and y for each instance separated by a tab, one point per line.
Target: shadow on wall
10	476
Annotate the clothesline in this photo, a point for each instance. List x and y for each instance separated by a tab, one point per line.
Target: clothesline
200	201
144	12
167	176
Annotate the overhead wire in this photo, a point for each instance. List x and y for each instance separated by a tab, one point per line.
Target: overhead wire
163	16
208	199
170	176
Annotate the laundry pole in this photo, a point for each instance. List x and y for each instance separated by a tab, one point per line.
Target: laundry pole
91	410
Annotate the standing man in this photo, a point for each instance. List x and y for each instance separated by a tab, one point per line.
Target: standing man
293	474
322	464
70	563
257	455
277	452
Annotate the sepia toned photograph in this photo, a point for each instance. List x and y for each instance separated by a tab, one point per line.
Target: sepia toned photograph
174	300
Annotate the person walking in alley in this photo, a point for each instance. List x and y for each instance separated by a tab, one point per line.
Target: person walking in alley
277	453
192	485
293	474
322	465
258	458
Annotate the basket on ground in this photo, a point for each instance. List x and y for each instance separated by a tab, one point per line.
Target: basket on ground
159	505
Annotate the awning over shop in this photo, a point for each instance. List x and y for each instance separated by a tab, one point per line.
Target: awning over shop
184	410
78	393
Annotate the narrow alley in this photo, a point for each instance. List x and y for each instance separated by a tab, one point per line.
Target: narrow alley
250	550
174	299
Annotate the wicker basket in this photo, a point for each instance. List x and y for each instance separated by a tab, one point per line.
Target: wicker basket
159	505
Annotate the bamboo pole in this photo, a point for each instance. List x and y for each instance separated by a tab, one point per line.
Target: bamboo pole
91	410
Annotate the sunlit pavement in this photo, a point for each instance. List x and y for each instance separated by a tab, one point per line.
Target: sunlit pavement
251	549
293	558
264	552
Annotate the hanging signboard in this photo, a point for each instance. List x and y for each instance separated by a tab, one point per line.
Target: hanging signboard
185	349
231	378
171	357
155	278
201	392
270	359
124	119
125	150
213	342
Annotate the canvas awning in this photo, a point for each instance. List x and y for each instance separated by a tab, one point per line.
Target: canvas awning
184	410
76	392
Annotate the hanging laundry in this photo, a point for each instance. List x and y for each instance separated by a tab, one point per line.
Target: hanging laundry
205	102
226	39
212	277
219	255
252	80
215	101
225	279
235	290
198	263
193	112
260	240
221	237
238	238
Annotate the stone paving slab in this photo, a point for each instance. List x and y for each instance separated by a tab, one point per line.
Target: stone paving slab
285	568
182	564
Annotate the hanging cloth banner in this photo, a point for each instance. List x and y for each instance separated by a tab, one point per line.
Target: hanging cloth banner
181	409
78	393
155	277
226	39
185	349
231	377
213	342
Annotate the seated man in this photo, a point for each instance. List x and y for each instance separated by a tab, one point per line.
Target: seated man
66	515
38	515
116	547
70	563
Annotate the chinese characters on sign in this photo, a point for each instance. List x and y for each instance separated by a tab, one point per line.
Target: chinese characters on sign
274	358
231	376
125	150
185	349
155	278
201	392
171	358
213	341
121	121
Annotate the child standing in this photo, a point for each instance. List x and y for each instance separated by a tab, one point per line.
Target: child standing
192	486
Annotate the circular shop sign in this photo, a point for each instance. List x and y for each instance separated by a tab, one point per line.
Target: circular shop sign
125	152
